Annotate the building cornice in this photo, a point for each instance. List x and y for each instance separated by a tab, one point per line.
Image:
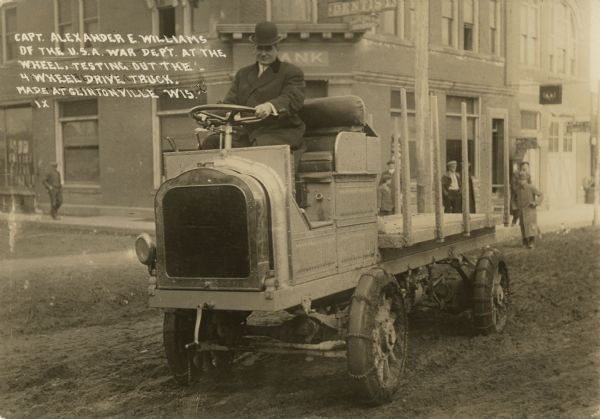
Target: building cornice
391	80
295	31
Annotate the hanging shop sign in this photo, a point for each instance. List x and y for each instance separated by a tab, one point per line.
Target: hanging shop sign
551	94
578	126
358	7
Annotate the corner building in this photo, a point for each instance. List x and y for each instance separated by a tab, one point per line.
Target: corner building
110	150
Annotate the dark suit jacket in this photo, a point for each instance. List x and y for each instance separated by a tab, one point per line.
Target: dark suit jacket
447	180
282	84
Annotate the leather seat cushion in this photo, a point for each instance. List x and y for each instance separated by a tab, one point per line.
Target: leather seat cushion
334	111
316	161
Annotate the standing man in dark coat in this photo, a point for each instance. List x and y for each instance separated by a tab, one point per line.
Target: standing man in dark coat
53	184
275	90
451	188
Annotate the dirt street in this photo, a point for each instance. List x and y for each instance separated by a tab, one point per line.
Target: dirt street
78	341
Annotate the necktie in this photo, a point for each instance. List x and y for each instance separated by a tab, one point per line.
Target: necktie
261	69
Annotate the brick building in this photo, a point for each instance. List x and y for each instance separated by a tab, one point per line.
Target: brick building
110	149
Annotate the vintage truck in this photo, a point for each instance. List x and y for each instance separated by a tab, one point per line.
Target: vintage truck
239	231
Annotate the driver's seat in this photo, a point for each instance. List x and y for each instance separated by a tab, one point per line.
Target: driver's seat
325	118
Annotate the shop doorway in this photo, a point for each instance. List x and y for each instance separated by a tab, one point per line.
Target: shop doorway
561	174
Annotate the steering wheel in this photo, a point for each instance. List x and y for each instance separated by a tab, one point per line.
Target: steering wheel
225	115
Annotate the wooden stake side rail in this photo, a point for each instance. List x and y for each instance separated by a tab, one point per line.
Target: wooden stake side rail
437	171
464	188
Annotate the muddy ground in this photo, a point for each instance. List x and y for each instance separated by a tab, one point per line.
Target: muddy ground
77	340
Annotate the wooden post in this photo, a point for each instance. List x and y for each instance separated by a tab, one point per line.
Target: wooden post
437	171
507	173
424	188
405	179
396	181
596	219
465	170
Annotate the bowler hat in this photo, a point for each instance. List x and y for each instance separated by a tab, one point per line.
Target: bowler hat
265	33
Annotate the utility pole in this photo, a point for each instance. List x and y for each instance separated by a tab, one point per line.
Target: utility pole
424	176
596	220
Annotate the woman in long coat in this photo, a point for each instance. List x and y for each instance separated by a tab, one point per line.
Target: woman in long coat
528	197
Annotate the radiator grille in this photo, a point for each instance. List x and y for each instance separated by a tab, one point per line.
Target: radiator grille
206	232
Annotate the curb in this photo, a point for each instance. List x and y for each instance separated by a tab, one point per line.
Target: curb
65	223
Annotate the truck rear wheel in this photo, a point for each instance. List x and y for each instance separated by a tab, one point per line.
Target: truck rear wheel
491	293
377	336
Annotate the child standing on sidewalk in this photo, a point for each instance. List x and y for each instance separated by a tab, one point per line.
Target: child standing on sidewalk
528	197
385	203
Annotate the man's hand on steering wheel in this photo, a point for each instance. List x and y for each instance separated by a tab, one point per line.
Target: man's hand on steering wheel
264	110
225	114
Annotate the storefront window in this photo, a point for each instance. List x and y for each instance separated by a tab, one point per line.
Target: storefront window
16	158
553	139
81	152
454	130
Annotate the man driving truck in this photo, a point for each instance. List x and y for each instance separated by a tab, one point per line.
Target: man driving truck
275	90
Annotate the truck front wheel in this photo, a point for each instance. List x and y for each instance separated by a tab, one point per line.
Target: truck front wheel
377	336
178	330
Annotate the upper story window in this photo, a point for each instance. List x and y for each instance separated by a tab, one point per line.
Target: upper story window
90	16
166	21
530	32
449	23
461	14
469	25
9	28
399	22
181	17
200	16
292	11
563	48
76	16
530	120
495	26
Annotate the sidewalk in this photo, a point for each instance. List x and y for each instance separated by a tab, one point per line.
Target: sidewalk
578	216
123	224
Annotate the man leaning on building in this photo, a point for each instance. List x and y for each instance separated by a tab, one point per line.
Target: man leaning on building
53	184
275	89
451	188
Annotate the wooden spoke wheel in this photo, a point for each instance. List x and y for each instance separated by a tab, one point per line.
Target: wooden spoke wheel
491	293
377	336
